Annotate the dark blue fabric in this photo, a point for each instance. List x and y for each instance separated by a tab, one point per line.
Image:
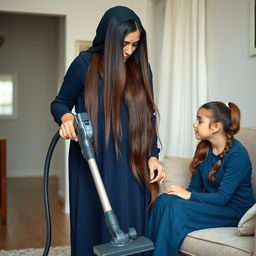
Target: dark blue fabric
128	198
232	185
224	203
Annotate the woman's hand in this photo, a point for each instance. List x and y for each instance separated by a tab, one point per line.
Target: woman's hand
67	129
177	190
154	164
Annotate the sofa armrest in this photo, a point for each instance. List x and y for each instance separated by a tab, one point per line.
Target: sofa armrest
177	171
254	250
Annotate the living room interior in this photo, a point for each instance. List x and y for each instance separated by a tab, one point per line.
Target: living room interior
39	44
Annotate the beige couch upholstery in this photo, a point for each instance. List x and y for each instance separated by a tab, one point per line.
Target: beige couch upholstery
222	241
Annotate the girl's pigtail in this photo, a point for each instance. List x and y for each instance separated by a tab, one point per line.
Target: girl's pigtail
233	129
200	155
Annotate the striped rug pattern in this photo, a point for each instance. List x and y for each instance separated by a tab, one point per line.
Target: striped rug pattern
54	251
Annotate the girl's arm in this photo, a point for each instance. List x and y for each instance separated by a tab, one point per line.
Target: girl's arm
196	184
237	166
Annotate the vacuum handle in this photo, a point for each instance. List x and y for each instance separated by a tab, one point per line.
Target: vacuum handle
84	132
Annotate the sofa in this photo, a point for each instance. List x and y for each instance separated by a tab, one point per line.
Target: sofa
222	241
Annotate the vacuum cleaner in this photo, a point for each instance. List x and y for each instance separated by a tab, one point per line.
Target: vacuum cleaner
122	243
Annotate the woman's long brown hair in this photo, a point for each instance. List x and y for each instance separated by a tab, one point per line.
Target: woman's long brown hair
129	82
229	117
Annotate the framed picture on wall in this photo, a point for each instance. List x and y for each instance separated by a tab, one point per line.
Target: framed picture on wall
82	45
252	30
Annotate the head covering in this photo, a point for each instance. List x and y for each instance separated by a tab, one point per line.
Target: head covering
121	14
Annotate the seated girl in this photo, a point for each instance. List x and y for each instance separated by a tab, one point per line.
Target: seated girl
220	191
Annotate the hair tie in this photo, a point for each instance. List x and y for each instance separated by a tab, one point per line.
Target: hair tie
227	104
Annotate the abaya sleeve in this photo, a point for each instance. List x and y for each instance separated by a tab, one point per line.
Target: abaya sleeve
155	149
71	88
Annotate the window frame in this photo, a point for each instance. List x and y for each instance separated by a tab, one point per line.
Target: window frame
15	96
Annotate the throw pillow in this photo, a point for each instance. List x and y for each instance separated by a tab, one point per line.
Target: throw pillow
246	225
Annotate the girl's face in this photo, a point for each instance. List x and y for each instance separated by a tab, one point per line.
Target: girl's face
130	44
202	126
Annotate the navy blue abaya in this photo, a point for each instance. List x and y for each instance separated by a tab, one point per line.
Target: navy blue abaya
129	199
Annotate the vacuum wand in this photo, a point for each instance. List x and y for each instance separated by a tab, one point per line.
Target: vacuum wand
123	243
85	137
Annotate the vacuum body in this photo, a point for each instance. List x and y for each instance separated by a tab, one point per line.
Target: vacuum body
122	243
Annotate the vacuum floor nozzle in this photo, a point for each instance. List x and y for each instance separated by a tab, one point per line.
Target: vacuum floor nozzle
140	244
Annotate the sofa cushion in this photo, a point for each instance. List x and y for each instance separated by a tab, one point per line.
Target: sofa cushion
246	225
177	171
247	137
217	241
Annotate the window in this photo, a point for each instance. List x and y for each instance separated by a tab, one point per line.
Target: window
7	95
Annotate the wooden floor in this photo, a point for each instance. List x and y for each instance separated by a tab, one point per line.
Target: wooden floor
26	226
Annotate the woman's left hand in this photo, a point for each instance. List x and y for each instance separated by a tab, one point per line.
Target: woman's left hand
177	190
155	165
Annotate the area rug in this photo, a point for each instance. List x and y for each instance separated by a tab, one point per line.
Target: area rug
54	251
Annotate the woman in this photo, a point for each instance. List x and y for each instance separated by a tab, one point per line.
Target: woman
220	191
113	82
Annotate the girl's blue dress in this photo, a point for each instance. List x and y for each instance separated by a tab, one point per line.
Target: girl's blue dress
222	205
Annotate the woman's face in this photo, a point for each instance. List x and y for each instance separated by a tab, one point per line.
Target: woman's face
130	44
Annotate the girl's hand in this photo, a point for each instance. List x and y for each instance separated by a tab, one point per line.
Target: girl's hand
155	165
67	129
177	190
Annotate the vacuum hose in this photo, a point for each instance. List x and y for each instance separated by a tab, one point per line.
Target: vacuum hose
46	194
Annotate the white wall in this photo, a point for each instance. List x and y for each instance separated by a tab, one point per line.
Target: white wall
30	51
231	71
82	15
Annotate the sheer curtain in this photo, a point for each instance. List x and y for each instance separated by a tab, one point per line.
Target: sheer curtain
181	84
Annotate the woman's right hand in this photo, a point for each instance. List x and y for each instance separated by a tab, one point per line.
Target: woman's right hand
67	129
